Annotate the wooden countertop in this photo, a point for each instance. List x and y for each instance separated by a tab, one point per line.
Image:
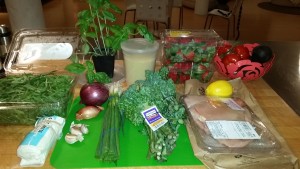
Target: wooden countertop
284	119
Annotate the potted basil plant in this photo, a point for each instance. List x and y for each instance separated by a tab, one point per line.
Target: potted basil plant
101	38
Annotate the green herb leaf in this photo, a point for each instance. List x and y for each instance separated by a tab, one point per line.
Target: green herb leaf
109	16
91	34
90	65
76	68
74	58
85	48
102	77
115	8
90	76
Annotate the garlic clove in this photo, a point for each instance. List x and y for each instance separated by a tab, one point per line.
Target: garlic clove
75	130
74	125
84	129
80	138
71	138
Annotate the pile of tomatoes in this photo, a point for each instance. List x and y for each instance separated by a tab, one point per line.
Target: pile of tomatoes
245	61
230	54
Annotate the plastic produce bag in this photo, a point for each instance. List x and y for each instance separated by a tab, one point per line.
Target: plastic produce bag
34	148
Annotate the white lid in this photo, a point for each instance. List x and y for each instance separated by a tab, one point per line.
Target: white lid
37	51
139	45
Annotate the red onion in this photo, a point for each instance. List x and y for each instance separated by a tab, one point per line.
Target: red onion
94	94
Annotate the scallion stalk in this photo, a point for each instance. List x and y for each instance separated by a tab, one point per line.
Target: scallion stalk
108	146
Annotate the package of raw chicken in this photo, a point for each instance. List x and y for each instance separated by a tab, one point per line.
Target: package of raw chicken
227	124
233	132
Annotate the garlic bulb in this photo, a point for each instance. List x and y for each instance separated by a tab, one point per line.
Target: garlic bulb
76	133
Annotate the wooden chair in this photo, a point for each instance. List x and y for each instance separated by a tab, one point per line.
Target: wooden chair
130	5
227	15
156	11
178	4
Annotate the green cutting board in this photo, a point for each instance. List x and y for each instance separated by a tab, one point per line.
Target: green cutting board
133	147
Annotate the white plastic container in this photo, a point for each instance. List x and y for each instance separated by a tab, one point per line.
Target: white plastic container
139	56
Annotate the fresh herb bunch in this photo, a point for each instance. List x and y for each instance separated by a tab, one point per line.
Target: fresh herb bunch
26	97
91	75
98	33
43	88
160	91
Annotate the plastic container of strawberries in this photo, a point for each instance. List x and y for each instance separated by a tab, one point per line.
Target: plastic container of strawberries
189	54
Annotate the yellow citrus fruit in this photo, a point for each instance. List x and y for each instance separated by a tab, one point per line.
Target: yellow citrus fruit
219	88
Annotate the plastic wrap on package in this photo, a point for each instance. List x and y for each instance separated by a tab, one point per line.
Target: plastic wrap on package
271	151
34	148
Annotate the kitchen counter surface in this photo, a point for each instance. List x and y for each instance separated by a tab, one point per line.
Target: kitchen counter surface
284	119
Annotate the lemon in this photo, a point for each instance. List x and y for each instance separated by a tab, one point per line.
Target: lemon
219	88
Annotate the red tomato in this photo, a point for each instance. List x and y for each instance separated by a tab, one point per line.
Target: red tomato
223	49
242	51
230	58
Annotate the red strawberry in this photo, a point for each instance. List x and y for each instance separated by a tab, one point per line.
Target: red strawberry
190	56
171	39
177	66
167	62
173	75
183	78
185	40
186	67
197	40
206	76
201	68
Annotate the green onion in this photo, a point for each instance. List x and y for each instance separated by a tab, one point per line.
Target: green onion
108	146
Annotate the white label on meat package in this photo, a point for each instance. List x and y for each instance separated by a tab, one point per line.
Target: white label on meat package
232	104
232	130
153	118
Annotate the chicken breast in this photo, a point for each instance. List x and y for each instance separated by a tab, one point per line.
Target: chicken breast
202	109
